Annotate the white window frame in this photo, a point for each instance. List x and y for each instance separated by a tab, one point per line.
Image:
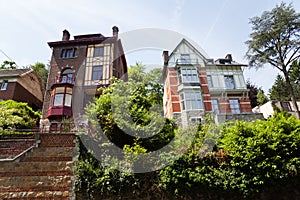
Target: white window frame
191	100
229	85
215	106
234	106
198	120
189	75
4	85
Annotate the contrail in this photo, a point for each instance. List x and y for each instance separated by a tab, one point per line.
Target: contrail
215	22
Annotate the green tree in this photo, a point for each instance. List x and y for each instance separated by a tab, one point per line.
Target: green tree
8	65
42	71
253	91
275	40
279	90
16	115
261	98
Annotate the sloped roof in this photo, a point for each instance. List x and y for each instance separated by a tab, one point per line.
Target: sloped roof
201	54
14	72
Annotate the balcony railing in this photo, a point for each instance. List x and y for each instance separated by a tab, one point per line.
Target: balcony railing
181	61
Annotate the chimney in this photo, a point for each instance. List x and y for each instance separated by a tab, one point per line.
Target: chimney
165	56
115	31
229	57
66	35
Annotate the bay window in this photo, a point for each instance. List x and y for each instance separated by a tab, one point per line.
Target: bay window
62	96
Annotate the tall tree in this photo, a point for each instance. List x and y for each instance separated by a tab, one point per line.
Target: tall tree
253	91
275	40
261	98
279	90
42	71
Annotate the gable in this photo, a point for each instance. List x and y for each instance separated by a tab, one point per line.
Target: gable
186	48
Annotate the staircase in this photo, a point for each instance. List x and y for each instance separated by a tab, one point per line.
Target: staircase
38	166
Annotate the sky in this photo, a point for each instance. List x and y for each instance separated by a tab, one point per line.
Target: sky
218	27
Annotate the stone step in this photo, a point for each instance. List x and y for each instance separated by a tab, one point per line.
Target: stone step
14	167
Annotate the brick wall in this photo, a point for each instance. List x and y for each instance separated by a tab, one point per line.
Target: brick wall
44	172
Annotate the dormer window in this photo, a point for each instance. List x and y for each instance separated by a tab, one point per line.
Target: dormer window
69	53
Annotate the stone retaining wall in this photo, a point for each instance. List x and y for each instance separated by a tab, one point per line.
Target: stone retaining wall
44	172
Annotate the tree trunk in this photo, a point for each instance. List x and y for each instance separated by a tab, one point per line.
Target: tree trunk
291	91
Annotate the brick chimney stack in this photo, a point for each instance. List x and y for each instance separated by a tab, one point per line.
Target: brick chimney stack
165	56
66	35
115	31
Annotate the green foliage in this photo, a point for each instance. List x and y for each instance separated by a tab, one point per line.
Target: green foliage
274	38
238	160
126	110
261	98
8	65
249	158
15	115
42	71
253	94
279	90
262	152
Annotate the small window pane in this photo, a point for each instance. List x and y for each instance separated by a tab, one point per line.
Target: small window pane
60	90
68	100
229	82
234	106
4	85
98	51
69	90
209	81
58	100
97	73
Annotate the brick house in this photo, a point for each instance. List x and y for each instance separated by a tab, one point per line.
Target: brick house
78	68
22	85
195	85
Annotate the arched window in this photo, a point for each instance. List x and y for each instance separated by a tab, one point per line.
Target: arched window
67	76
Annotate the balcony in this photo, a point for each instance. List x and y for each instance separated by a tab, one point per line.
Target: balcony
182	61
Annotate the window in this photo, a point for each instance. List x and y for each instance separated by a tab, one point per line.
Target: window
286	106
98	51
215	106
58	99
62	96
229	82
185	59
182	101
195	120
4	85
209	81
68	53
191	100
189	75
97	72
67	76
234	106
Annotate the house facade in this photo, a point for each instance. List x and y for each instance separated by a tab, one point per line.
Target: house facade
195	85
78	68
269	108
22	85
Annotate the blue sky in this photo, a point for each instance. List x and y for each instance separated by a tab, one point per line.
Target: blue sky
217	26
